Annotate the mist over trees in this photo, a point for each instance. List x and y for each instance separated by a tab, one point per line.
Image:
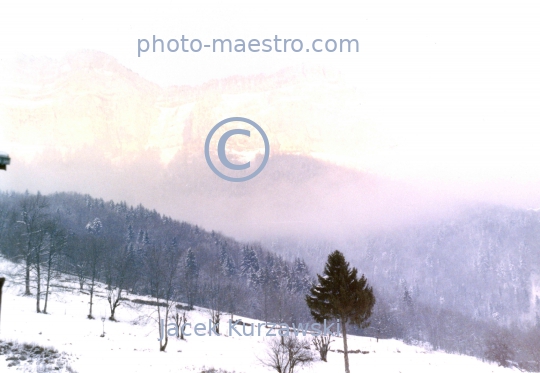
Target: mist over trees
127	248
453	282
456	284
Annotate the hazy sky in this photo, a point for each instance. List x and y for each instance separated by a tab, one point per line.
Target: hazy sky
453	87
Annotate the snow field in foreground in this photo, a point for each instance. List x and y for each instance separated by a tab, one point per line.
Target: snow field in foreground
130	345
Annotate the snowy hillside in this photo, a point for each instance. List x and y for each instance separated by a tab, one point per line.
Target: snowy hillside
130	345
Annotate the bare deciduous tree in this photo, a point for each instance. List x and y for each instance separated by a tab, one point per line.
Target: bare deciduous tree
531	345
285	356
162	270
322	345
94	257
33	214
120	276
55	246
179	320
214	294
498	348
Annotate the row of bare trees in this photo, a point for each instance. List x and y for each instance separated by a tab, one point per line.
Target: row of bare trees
40	243
114	250
35	237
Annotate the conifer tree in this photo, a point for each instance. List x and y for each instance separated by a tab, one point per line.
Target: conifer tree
299	280
192	275
341	295
130	235
249	267
229	267
223	255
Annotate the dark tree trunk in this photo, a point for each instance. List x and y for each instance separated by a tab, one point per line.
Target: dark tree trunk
345	348
47	285
164	338
27	277
38	283
91	297
80	275
114	304
183	319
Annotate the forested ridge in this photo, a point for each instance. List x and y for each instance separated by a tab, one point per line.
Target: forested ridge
462	282
110	242
456	285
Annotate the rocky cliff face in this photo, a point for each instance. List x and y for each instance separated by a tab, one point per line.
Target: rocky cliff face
88	124
90	100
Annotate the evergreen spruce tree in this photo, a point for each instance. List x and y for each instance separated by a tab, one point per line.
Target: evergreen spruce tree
341	295
146	239
192	275
140	237
191	263
174	243
249	267
229	267
130	235
299	280
407	299
223	255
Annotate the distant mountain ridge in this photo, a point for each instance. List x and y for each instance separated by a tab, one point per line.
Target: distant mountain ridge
90	125
483	262
89	99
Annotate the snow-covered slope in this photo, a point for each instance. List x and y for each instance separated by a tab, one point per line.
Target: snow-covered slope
130	345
